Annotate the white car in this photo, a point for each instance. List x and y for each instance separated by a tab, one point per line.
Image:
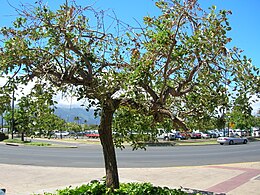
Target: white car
205	136
162	134
232	140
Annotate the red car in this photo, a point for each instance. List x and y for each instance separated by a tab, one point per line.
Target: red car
92	134
195	135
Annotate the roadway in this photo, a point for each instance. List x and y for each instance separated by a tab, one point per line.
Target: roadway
90	156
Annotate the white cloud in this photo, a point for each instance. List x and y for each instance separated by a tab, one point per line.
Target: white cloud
255	105
67	101
22	90
2	81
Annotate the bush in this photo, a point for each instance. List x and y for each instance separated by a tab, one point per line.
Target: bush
3	136
99	188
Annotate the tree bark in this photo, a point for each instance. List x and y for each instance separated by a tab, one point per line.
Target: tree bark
105	132
22	136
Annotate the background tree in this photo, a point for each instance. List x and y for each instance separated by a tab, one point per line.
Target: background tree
23	117
256	121
5	103
241	114
73	127
34	112
131	126
77	119
4	107
42	109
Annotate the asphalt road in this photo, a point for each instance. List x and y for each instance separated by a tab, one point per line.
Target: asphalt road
90	156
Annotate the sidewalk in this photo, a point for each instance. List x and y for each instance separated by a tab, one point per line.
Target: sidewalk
232	179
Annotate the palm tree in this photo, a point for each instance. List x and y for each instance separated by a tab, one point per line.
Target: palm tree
76	118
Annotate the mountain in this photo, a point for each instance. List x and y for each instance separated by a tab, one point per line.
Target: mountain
69	114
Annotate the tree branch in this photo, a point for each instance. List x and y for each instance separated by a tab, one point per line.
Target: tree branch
76	50
150	91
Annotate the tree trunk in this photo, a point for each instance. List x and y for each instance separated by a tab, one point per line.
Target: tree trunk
105	132
22	136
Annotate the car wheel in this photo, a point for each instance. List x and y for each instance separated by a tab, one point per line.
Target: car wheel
166	138
231	142
221	143
245	141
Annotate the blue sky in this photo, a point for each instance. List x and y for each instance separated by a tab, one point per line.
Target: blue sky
245	20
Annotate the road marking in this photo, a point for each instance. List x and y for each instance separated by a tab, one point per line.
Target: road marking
234	182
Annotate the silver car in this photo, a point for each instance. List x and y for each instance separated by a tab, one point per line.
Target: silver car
232	140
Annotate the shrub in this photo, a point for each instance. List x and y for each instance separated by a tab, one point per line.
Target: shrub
99	188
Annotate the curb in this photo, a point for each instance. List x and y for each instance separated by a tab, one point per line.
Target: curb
54	146
59	146
202	192
13	144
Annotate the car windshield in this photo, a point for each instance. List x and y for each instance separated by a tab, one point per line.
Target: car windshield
235	136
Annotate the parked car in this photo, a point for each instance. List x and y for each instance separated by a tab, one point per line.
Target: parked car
232	140
162	134
186	135
195	135
92	134
60	134
213	134
179	136
205	135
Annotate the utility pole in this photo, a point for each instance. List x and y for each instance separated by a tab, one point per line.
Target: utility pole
12	123
2	122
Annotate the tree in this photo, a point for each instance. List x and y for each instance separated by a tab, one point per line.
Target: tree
256	122
34	112
4	107
5	103
182	63
77	119
64	48
42	109
24	117
172	68
73	127
241	114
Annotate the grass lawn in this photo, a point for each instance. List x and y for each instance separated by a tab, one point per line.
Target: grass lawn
26	142
196	142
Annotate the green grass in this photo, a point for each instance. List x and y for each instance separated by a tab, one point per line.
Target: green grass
79	140
196	142
38	144
16	141
29	143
